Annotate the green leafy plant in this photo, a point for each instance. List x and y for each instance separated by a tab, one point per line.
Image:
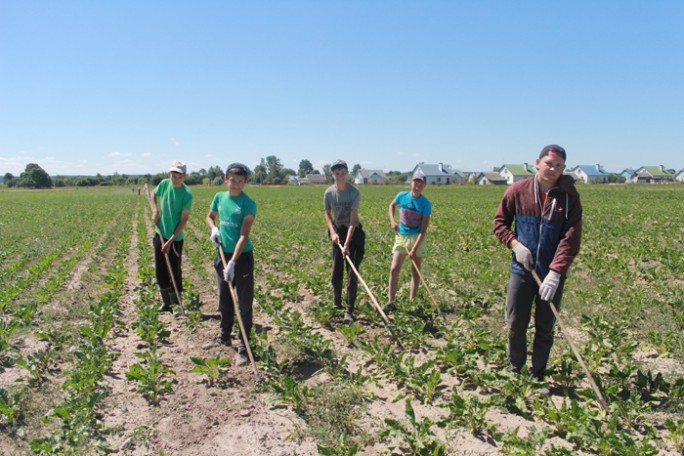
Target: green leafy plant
10	408
214	368
417	438
676	433
151	376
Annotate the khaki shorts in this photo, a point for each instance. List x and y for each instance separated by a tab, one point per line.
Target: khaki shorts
403	243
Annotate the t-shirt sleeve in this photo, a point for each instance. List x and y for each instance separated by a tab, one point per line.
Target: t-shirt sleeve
397	199
251	208
326	201
214	203
428	208
187	204
356	200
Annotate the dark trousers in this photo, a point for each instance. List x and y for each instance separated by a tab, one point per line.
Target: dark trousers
357	248
161	269
244	289
522	292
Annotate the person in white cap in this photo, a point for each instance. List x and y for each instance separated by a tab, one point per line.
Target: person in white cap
171	206
410	239
341	203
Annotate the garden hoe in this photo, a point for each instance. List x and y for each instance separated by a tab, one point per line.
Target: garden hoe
236	306
370	293
422	279
602	401
168	262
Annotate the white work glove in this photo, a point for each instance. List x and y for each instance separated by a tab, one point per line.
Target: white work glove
215	236
523	256
229	272
548	288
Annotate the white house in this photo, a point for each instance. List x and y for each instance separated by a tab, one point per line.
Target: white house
589	174
438	174
312	179
491	178
652	175
679	177
369	176
514	173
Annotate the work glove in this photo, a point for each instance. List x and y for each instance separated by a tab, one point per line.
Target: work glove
548	288
229	272
215	236
523	256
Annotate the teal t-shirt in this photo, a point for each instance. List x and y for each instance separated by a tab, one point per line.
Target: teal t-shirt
173	202
411	212
231	211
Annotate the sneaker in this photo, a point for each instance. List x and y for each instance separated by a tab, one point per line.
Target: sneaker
241	359
348	318
217	342
165	308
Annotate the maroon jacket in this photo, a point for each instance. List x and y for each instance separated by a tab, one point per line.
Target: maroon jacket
551	231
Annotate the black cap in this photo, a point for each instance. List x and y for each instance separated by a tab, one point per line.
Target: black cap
238	169
553	149
339	164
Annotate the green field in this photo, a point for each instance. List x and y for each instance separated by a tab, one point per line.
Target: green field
76	274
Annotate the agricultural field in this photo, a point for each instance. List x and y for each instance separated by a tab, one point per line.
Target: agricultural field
88	365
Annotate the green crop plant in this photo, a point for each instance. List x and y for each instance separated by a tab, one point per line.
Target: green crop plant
352	333
417	437
469	411
675	433
343	446
287	390
214	368
332	411
151	376
37	365
512	443
11	408
322	312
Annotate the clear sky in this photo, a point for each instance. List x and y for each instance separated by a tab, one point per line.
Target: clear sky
128	86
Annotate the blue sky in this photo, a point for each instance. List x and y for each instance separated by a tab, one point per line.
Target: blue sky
127	87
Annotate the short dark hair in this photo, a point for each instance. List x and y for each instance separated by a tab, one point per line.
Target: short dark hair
238	169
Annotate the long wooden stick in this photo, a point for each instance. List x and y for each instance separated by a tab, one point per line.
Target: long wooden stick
370	293
422	279
602	401
168	262
236	307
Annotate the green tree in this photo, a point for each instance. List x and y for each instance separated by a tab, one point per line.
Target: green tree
355	169
260	172
275	174
35	177
305	167
9	180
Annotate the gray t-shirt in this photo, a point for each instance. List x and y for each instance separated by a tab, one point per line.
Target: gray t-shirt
341	204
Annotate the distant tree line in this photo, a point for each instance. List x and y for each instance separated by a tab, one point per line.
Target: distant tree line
270	171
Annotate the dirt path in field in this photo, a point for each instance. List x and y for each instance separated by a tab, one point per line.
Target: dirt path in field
233	418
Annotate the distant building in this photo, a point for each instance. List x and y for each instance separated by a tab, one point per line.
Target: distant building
652	175
627	173
491	178
514	173
369	176
679	177
589	174
312	179
438	174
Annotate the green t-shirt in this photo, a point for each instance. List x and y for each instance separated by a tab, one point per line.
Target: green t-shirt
231	211
173	202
